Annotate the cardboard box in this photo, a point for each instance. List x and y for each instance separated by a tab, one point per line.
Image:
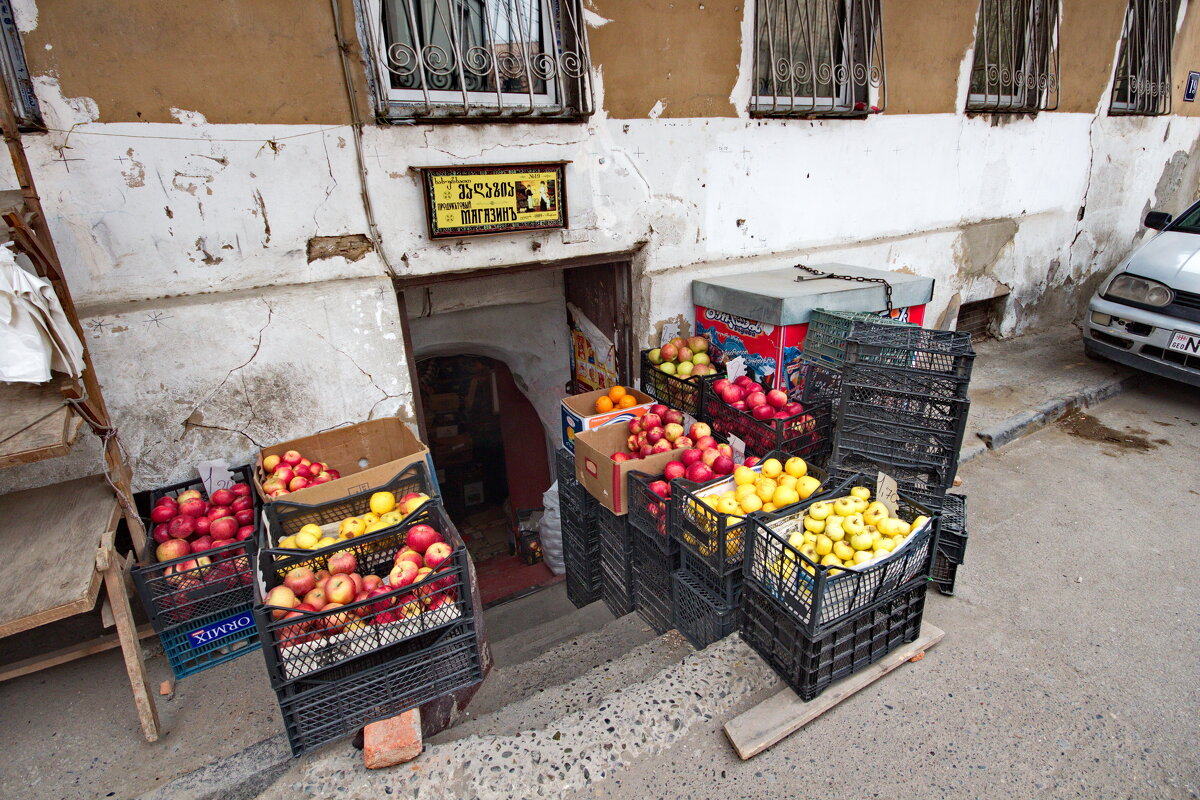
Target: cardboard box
368	454
604	478
579	414
454	449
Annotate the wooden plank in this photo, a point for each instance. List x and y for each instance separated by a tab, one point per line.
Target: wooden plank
36	423
66	655
780	716
143	700
51	534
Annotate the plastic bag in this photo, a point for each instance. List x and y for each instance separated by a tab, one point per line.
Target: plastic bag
550	532
35	336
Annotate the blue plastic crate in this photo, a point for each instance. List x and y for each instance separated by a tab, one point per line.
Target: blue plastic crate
210	640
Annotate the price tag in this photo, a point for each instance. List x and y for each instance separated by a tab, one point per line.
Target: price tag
215	475
887	493
735	368
739	449
670	331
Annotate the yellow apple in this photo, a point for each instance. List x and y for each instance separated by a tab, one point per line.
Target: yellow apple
772	468
744	475
854	524
820	510
382	502
814	525
806	486
861	491
796	467
845	506
823	545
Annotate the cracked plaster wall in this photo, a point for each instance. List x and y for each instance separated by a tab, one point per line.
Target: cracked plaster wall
153	217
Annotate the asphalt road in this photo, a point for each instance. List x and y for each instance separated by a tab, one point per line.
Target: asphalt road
1070	666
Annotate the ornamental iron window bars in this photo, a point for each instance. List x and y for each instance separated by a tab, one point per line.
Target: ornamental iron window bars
480	58
1016	57
817	58
1142	83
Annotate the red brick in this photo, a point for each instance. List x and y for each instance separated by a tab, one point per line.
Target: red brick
392	741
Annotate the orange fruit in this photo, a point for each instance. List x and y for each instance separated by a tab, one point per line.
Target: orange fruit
616	393
627	401
603	404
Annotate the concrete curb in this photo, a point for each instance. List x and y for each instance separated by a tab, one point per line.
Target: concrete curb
1027	422
241	776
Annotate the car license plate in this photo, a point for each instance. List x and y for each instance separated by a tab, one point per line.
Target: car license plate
1185	343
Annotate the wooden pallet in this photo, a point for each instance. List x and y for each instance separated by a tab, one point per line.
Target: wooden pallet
778	717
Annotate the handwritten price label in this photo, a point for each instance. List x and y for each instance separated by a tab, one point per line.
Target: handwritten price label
735	368
739	449
887	493
670	331
215	475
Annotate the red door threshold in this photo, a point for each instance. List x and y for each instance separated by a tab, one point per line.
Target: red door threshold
507	578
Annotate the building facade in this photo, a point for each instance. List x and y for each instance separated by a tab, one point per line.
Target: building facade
235	194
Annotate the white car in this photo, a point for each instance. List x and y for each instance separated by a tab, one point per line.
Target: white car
1146	314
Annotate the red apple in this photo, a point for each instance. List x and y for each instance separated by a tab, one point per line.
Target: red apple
683	443
163	513
672	417
241	489
756	399
201	543
408	554
651	421
723	465
690	456
317	467
283	598
437	554
402	574
342	563
419	537
189	494
245	516
731	394
635	425
658	408
777	398
781	415
631	443
301	581
371	581
223	528
324	477
292	458
674	469
662	488
655	435
216	512
705	442
751	461
167	500
699	473
358	583
740	405
645	450
709	456
409	606
283	474
333	624
720	384
333	474
278	492
241	504
297	483
724	449
302	471
386	599
181	527
672	431
340	589
742	380
619	457
160	533
243	533
763	411
172	549
792	409
223	497
316	598
669	352
270	463
662	446
193	507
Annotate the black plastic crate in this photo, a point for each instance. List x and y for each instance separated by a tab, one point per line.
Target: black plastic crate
699	614
728	587
616	562
819	382
924	483
711	536
931	358
564	465
810	664
649	512
807	434
952	543
825	340
581	552
651	576
899	445
821	597
908	409
332	706
285	517
305	643
186	596
682	394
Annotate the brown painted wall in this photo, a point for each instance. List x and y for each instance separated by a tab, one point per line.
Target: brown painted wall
924	43
1088	37
685	54
1186	57
234	61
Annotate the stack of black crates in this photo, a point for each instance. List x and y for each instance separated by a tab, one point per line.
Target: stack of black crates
816	624
901	395
580	538
335	670
655	555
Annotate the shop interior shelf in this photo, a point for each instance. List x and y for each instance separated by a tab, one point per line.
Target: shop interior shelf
82	517
37	423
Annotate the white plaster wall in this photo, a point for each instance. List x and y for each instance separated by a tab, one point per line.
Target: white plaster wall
205	222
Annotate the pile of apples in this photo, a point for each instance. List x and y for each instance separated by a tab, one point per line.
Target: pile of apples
660	430
774	486
684	358
743	394
850	531
188	524
385	512
292	472
410	589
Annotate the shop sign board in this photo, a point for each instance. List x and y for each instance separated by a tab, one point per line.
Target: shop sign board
483	200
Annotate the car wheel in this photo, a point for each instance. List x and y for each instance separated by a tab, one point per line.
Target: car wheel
1089	350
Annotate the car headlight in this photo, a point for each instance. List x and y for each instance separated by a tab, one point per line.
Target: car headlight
1139	290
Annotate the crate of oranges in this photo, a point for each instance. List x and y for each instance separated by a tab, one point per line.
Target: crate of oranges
584	412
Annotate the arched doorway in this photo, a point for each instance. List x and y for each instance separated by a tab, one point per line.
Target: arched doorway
490	448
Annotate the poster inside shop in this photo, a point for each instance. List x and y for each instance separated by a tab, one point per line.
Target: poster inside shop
591	372
486	200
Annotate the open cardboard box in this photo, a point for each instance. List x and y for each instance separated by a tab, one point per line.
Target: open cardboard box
579	413
604	478
367	455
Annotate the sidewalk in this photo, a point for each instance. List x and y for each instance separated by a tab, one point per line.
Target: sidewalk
226	718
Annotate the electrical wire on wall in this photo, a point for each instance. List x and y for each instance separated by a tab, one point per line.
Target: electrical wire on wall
356	124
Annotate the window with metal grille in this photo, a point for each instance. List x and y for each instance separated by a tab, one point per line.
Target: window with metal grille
817	58
1016	56
1142	83
480	58
15	73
